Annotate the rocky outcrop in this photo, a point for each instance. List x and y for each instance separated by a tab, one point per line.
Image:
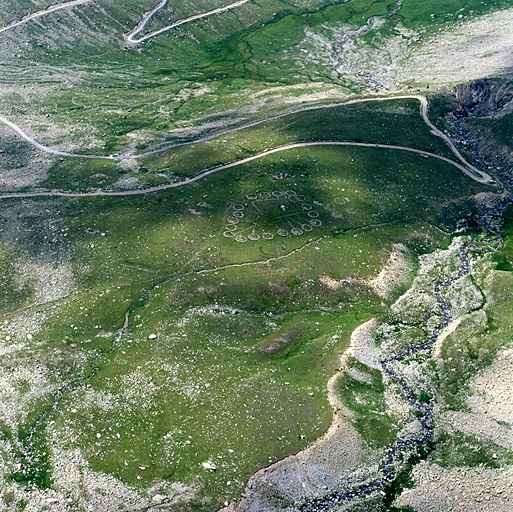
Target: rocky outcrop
484	98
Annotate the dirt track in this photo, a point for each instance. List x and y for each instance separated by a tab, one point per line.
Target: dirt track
44	12
131	37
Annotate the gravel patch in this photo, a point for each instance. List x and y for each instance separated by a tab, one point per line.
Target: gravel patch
472	49
459	489
492	389
479	426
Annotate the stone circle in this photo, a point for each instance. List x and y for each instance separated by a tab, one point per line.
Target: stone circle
263	215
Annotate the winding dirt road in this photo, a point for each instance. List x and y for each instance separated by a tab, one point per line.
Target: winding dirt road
465	167
106	193
44	12
119	157
131	37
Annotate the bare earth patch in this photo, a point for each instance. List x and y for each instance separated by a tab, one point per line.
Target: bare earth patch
27	176
493	389
480	426
471	50
459	489
330	283
395	274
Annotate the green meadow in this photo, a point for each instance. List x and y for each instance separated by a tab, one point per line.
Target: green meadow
175	342
228	345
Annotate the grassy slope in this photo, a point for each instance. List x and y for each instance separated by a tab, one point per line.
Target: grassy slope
162	237
393	122
185	375
92	92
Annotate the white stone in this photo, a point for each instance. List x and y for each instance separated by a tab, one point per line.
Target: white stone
208	465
